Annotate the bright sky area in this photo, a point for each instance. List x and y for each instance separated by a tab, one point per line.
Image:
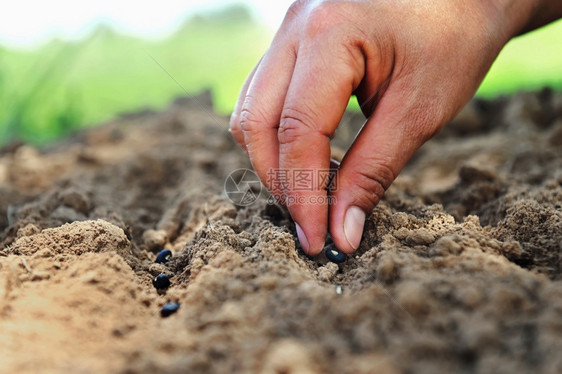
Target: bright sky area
26	23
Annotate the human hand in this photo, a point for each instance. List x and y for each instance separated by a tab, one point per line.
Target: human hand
412	65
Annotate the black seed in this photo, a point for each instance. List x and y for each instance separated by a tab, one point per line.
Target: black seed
161	282
164	256
168	309
334	255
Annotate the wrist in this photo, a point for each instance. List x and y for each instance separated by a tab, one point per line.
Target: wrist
514	15
544	12
520	16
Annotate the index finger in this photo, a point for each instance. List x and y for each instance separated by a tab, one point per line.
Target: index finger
322	83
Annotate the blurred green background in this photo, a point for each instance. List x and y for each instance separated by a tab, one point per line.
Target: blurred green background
59	87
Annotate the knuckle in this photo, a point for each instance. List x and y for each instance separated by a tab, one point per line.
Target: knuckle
290	130
324	17
236	132
372	181
294	10
233	123
250	121
294	124
319	20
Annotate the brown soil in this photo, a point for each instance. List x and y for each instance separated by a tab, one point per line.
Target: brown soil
459	270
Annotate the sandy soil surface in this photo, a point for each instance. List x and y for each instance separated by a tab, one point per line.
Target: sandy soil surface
459	270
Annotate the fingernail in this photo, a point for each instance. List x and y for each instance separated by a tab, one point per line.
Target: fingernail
302	238
353	226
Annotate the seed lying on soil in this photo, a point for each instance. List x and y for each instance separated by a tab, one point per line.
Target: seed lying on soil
164	256
335	256
161	282
169	309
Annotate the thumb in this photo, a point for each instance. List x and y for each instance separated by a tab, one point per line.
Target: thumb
399	126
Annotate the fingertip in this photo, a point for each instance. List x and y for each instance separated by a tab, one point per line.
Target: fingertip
236	133
302	238
342	244
353	225
311	242
315	250
347	223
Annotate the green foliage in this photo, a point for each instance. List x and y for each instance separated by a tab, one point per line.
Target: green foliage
34	104
528	62
60	87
